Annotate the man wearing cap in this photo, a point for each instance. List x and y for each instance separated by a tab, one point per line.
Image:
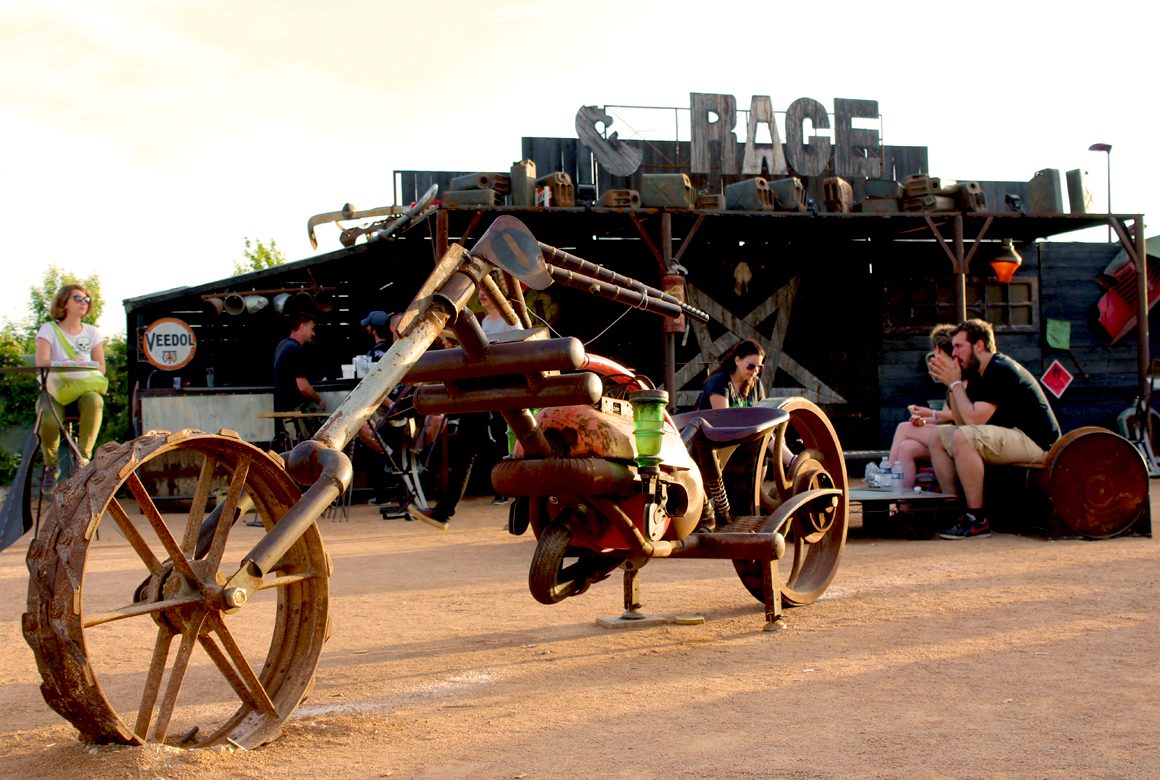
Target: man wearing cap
380	327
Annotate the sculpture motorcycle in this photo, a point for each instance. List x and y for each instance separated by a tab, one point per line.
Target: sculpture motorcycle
602	474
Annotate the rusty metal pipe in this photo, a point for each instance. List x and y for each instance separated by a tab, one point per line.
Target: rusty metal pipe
516	297
504	359
646	546
444	305
572	262
334	477
737	546
635	298
568	390
527	432
564	477
388	372
472	340
501	302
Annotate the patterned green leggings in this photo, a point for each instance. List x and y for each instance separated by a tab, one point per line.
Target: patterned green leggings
91	407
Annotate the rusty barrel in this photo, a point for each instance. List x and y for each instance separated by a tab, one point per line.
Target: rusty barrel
1097	483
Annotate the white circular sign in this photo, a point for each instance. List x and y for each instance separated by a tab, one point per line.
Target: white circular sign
169	343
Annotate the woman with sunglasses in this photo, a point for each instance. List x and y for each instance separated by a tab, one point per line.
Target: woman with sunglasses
735	382
68	339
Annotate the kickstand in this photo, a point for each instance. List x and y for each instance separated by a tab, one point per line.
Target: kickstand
771	595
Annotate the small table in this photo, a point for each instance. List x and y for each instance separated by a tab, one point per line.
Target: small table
876	504
299	419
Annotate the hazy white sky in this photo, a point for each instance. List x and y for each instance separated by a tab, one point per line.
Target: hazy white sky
143	140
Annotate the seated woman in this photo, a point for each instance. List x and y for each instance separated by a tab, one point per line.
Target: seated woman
735	383
67	339
912	438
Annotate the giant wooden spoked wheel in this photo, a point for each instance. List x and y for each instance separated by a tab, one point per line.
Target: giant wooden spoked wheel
159	651
816	533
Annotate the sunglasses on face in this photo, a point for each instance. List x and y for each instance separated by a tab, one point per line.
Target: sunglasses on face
82	299
755	366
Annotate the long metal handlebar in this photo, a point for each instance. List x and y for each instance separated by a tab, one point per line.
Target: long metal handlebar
559	257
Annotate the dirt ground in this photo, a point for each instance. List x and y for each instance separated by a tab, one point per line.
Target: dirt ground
1001	657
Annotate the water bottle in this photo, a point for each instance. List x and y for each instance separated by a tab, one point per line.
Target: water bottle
885	474
896	479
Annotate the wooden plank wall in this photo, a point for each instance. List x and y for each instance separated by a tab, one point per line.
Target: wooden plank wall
1067	274
1068	291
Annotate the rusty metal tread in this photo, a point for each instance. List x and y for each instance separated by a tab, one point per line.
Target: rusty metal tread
745	523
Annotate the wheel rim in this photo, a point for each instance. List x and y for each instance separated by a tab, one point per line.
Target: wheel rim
816	534
169	656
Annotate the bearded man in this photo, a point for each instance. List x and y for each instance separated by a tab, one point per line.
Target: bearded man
1006	419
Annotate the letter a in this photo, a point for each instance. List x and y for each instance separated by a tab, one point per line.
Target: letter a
761	113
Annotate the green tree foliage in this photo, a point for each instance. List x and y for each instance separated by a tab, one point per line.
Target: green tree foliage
258	257
40	299
115	425
18	390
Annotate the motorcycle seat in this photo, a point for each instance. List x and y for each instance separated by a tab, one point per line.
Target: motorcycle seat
723	427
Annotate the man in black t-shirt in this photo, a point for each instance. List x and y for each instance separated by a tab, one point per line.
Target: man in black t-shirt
1006	419
292	388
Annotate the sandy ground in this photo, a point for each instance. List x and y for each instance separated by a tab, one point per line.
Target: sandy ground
1001	657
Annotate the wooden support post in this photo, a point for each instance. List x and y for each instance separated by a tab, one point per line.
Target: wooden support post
442	221
960	263
670	345
1143	347
960	270
1133	244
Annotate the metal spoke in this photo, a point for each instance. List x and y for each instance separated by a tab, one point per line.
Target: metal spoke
133	536
149	509
197	507
144	608
285	580
222	662
226	518
253	684
153	681
177	675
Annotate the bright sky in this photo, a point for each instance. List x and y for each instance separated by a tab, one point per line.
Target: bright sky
145	139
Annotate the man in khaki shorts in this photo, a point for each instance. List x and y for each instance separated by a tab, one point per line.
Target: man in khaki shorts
1008	421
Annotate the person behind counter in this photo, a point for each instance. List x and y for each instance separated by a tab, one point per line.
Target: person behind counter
68	339
292	388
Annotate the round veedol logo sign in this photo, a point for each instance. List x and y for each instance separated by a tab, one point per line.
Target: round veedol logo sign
169	343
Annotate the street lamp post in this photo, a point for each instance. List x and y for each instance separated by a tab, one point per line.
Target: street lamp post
1106	149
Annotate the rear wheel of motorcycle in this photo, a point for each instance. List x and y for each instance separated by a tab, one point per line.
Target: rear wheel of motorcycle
816	533
560	570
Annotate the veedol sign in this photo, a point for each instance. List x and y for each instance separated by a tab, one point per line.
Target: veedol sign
857	151
169	343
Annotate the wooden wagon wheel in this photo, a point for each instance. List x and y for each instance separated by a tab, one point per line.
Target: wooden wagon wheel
241	661
816	533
